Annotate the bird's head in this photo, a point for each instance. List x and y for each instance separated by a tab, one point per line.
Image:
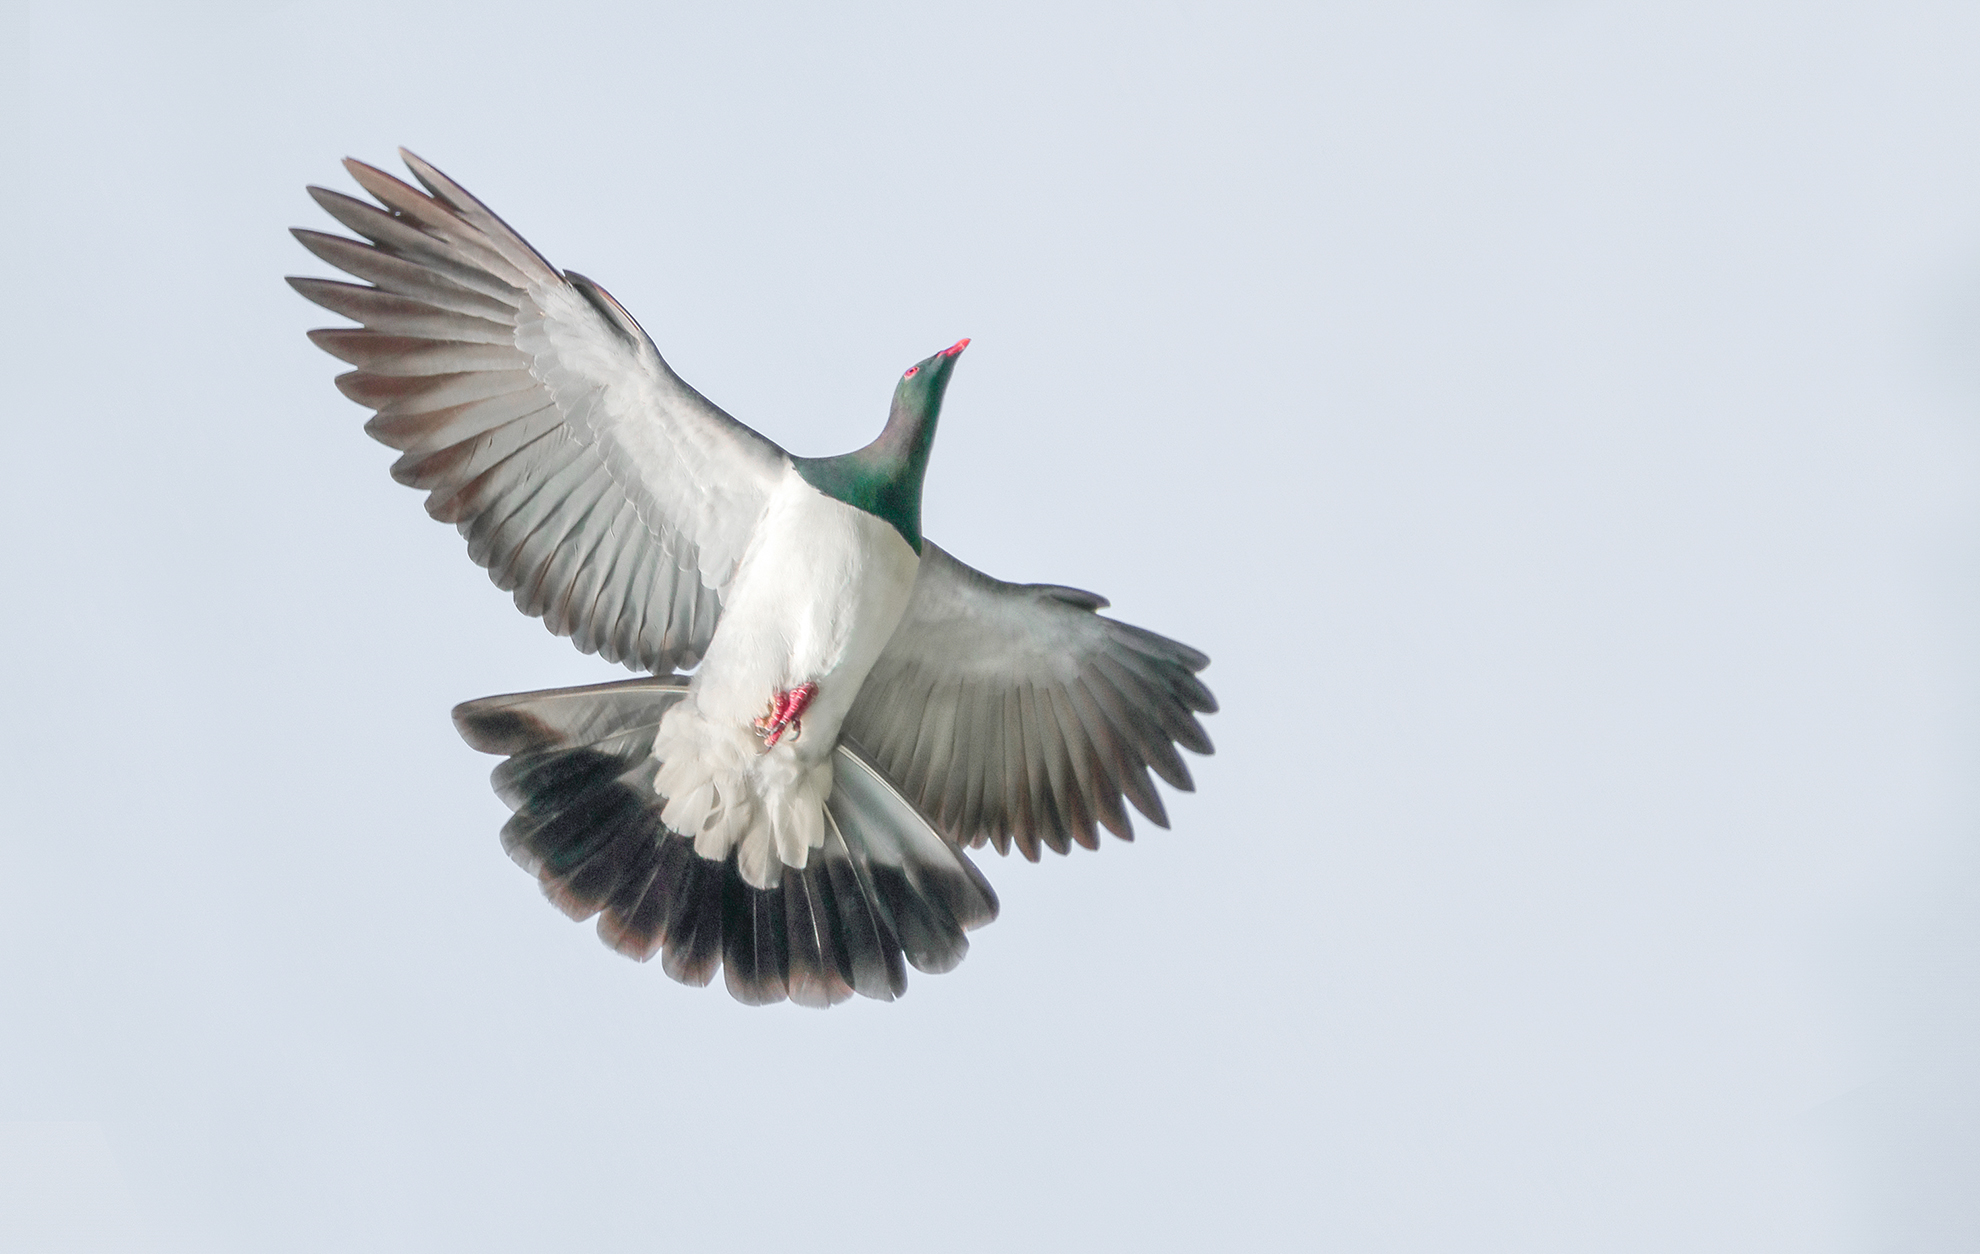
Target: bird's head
918	396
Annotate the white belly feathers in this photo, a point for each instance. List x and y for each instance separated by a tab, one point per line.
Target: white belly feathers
814	601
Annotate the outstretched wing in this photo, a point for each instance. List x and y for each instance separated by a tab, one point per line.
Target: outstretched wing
1014	713
607	495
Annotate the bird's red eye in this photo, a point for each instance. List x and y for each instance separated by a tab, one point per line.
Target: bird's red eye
911	372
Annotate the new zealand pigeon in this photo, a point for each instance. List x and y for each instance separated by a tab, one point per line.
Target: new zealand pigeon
865	707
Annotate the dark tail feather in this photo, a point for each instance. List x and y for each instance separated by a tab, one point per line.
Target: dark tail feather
579	777
927	888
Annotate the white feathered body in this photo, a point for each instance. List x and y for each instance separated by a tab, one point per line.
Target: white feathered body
816	598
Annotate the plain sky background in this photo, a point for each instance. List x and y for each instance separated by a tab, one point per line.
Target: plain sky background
1559	422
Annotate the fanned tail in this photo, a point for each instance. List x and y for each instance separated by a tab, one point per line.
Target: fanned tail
885	887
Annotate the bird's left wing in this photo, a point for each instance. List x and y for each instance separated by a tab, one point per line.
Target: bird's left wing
612	499
1013	713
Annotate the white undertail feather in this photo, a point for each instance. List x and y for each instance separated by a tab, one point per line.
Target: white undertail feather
725	793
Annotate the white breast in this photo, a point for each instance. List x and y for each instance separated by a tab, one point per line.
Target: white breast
815	599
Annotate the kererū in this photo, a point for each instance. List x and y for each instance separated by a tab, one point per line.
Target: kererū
862	706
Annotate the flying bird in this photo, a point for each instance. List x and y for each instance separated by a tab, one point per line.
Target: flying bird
834	708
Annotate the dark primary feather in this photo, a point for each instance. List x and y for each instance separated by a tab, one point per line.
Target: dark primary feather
1015	714
885	891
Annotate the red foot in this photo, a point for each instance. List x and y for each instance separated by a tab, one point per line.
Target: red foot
783	715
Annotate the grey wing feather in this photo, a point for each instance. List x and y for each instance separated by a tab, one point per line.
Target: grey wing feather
1016	714
612	499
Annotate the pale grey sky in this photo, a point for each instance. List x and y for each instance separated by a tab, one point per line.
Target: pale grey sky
1559	423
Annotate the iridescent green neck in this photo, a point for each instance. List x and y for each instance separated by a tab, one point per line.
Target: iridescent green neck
884	478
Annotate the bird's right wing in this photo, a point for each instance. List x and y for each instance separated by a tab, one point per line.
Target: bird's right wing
1014	714
607	495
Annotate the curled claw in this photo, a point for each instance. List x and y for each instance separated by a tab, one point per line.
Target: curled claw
783	715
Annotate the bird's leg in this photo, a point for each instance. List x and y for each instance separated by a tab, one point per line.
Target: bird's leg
784	714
